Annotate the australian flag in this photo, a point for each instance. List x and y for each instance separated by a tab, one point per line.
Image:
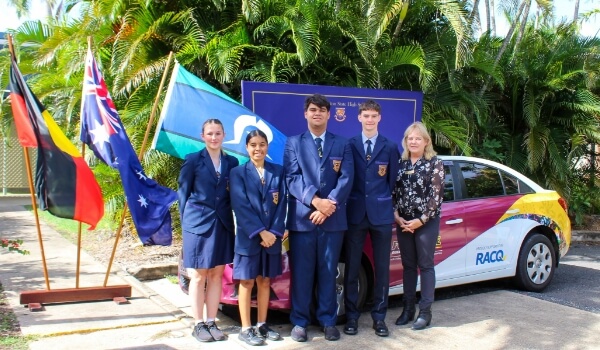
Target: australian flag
103	132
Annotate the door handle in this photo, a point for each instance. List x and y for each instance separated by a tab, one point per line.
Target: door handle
454	221
512	211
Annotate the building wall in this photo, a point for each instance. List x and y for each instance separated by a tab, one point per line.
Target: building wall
13	172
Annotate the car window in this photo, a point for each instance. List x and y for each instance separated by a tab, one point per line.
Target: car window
481	180
513	185
448	183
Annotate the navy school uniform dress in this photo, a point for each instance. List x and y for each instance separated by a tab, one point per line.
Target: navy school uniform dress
315	249
205	211
258	205
370	209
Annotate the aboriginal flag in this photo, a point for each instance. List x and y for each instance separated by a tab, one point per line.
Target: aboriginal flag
65	185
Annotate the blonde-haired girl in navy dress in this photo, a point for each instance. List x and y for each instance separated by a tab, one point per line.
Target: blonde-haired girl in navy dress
207	225
259	200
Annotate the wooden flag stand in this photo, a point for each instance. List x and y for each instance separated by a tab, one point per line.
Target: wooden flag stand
35	298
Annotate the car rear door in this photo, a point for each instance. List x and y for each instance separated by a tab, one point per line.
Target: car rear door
486	201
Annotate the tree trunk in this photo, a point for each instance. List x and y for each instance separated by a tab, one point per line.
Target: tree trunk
474	15
401	17
487	16
521	29
576	13
493	17
505	43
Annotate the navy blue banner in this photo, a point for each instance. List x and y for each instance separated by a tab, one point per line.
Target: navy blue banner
282	105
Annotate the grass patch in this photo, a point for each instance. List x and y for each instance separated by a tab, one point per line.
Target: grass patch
10	332
71	227
173	279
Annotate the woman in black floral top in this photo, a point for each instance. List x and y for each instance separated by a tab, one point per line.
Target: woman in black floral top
419	193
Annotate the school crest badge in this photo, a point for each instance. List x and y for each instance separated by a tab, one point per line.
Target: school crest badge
275	197
382	170
336	165
340	114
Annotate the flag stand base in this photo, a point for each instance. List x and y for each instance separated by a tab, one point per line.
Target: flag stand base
75	294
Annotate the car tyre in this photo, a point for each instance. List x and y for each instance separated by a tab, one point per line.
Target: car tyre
363	287
536	264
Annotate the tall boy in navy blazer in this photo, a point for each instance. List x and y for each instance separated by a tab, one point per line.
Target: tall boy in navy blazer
370	210
319	182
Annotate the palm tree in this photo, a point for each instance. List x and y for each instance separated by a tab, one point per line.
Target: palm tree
549	109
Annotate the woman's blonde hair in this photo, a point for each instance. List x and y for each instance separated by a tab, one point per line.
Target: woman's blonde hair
421	129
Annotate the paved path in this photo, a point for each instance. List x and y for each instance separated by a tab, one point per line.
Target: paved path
156	318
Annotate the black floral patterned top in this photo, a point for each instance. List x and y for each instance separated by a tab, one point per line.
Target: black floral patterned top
420	188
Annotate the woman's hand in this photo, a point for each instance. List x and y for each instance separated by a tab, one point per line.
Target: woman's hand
410	225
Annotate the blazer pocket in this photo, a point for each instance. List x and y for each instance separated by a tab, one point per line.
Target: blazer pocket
385	207
193	216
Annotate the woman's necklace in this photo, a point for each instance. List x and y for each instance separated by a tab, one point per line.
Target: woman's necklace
261	171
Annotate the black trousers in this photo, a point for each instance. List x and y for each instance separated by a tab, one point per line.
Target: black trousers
381	242
417	250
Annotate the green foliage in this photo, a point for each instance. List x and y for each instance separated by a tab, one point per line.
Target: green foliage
583	199
529	100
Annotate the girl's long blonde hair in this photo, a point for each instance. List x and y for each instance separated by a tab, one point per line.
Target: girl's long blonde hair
421	129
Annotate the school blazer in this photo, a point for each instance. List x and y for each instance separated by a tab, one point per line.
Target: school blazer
204	198
258	207
307	175
374	181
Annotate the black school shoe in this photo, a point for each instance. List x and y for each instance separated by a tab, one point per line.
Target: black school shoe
331	333
265	331
201	333
250	337
215	332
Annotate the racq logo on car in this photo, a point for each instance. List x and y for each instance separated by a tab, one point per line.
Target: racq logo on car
490	256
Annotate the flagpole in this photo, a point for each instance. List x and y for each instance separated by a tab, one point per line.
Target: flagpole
155	107
77	273
31	188
140	156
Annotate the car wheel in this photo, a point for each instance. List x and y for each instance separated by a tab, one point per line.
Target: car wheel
182	277
339	285
535	267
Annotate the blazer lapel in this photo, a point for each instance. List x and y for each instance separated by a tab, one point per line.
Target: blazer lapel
224	166
379	144
252	176
209	164
268	174
327	146
309	143
253	186
357	142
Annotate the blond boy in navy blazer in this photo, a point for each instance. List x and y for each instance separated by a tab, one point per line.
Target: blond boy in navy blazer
370	211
